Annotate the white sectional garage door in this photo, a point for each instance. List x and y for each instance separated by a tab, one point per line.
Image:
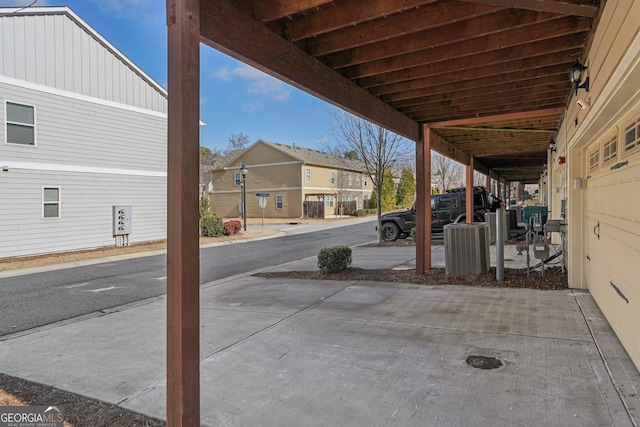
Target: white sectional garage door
612	230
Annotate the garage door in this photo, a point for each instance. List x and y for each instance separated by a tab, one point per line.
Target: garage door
612	231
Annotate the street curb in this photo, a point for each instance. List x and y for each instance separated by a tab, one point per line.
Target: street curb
102	260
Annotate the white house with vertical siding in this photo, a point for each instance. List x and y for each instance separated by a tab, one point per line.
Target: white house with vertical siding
82	129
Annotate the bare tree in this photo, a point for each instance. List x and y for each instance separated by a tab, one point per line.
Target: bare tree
237	142
339	186
447	172
377	148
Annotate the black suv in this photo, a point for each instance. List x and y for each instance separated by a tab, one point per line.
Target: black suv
446	208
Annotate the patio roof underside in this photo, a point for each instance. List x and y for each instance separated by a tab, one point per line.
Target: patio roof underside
489	77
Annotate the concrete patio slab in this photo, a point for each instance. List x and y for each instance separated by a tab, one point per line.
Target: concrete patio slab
318	353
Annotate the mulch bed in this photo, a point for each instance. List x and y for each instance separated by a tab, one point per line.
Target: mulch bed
553	278
79	411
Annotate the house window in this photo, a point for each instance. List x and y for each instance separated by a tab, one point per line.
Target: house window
610	149
350	179
51	202
632	135
594	159
307	175
328	201
357	179
279	202
20	124
237	179
333	177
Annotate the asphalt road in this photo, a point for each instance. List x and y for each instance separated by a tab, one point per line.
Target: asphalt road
34	300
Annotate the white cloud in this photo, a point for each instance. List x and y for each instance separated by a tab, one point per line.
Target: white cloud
252	106
142	11
222	74
259	82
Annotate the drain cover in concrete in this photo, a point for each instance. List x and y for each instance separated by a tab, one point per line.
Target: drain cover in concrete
484	362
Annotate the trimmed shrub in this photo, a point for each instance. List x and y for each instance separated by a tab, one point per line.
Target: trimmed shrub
413	234
211	226
334	259
360	212
232	227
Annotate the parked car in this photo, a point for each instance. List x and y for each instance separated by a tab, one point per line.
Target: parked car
446	208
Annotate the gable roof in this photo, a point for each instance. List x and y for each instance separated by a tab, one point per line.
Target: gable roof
24	30
304	156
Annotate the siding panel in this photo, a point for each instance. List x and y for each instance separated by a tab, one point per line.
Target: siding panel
86	216
56	51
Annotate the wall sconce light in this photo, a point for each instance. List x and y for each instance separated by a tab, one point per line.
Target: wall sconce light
575	74
552	145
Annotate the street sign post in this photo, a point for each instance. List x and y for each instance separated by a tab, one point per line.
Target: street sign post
262	202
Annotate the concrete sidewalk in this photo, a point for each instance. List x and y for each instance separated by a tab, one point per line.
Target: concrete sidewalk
278	352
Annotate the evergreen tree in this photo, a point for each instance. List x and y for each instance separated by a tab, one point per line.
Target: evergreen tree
373	200
388	193
406	189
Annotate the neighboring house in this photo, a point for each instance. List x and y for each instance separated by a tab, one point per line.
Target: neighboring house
293	177
82	129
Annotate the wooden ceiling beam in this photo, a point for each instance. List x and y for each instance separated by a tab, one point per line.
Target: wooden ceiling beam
346	15
486	59
531	114
484	109
514	79
564	31
474	129
488	111
507	96
437	15
270	10
552	6
440	145
467	29
551	83
227	29
518	66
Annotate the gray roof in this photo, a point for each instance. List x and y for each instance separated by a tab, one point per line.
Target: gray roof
315	157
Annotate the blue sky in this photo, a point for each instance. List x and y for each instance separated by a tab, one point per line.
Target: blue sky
234	97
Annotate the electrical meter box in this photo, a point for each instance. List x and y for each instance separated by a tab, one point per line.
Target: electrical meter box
121	220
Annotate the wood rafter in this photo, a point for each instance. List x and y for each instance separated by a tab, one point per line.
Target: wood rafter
553	6
510	38
353	13
269	10
522	54
455	32
424	18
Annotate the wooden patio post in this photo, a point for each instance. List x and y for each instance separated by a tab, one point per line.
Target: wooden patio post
469	193
183	260
423	201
